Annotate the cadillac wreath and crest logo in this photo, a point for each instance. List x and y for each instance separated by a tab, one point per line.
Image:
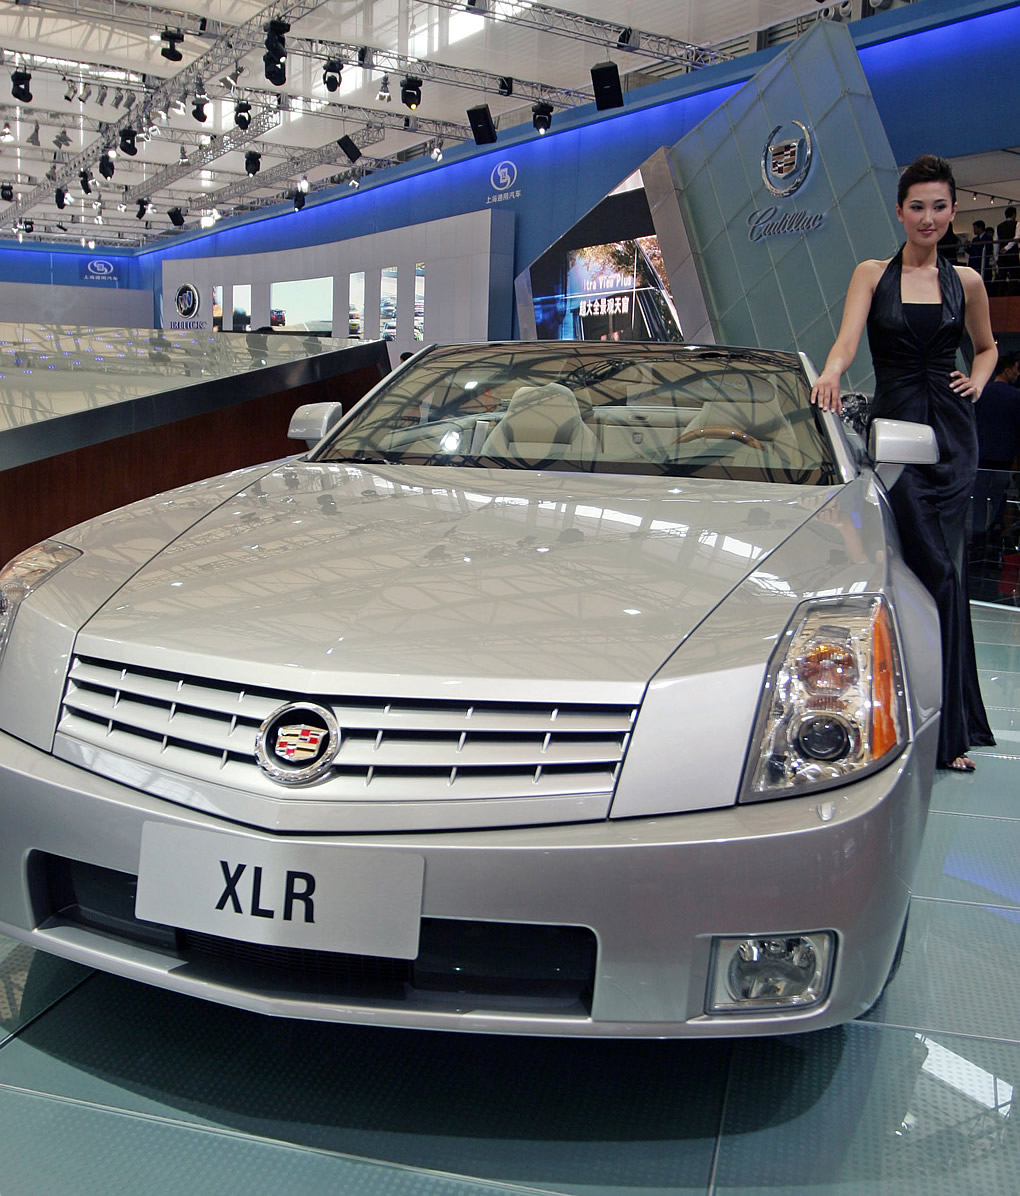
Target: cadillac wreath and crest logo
786	160
297	743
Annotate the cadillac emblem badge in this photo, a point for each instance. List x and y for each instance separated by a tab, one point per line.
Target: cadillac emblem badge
297	743
786	160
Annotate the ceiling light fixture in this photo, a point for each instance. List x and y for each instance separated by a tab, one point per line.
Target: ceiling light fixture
183	159
331	74
127	142
106	167
86	93
436	152
198	112
7	192
33	137
101	95
242	115
5	132
60	197
19	86
541	117
61	140
505	85
383	94
129	99
172	38
143	207
303	185
118	98
299	201
410	92
86	181
176	217
252	162
275	57
69	91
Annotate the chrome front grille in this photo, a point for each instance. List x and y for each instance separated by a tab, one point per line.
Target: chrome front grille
395	750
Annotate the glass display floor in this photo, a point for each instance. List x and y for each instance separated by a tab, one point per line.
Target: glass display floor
109	1086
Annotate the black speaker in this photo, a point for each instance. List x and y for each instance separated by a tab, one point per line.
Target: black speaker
605	78
350	148
481	124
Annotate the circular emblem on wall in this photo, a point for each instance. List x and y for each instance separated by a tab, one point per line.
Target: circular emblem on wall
786	158
187	301
297	743
504	175
100	265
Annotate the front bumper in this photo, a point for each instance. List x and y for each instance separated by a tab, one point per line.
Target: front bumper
650	894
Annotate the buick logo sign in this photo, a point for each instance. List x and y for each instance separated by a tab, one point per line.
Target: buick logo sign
99	265
786	158
187	301
297	743
504	175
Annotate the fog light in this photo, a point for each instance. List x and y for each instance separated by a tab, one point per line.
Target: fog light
770	974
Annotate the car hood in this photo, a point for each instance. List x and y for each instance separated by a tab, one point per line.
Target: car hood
392	576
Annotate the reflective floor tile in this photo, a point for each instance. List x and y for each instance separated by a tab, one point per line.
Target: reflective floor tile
997	656
993	790
553	1114
862	1109
29	982
58	1146
997	631
960	972
965	858
999	687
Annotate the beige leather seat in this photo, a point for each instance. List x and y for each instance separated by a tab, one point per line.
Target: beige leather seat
760	418
542	425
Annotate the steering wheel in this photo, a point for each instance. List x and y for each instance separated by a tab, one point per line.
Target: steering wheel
718	432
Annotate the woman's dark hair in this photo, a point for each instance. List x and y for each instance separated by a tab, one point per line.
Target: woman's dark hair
928	168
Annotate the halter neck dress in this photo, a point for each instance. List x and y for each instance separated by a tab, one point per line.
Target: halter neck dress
914	353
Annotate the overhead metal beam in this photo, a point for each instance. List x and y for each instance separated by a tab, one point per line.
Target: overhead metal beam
587	29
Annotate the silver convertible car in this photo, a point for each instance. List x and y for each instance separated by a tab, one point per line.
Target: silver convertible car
573	689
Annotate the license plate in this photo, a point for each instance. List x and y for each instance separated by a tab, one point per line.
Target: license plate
357	900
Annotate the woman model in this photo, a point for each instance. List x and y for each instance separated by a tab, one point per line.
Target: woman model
915	306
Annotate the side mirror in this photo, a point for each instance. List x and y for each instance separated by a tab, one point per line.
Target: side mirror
312	421
895	443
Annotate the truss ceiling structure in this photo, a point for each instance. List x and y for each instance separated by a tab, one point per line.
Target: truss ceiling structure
100	68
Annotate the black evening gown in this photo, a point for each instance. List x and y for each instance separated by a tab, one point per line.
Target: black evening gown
913	358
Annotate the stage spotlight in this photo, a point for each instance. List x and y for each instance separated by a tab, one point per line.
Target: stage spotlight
28	225
86	93
176	217
33	137
5	133
129	99
506	85
628	39
86	182
170	51
436	152
183	159
7	192
69	91
101	96
19	86
143	207
299	201
61	140
481	124
275	57
410	92
61	197
198	112
541	116
605	79
118	98
350	148
106	167
331	74
252	162
242	115
127	142
383	94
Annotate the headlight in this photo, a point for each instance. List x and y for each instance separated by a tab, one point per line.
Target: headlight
834	704
26	573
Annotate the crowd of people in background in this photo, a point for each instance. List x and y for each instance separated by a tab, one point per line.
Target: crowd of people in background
994	252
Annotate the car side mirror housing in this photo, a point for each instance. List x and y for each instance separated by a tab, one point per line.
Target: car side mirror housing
312	421
894	443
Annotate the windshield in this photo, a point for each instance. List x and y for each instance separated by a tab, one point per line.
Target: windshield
661	409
